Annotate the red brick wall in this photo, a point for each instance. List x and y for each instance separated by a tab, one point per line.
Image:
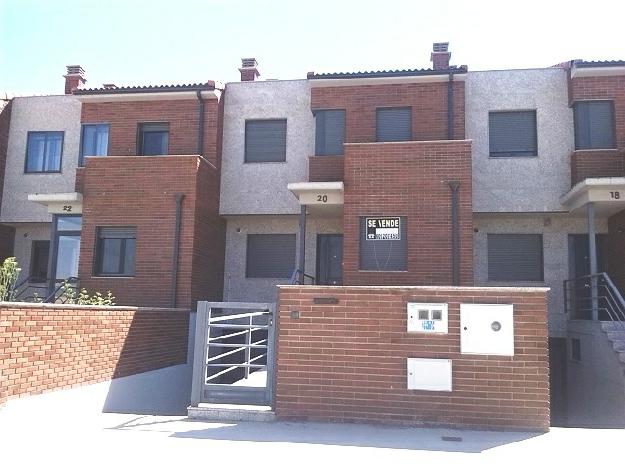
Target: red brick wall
140	191
428	102
347	362
7	233
47	347
325	168
182	116
409	179
596	163
616	249
604	87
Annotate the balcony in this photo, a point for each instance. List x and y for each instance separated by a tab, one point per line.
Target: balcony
325	168
587	164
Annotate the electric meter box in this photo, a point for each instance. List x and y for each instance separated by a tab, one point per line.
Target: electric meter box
487	329
429	374
427	318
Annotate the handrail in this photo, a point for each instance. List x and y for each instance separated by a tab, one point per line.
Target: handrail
299	277
53	296
593	297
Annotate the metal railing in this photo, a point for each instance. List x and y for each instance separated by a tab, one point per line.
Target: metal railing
299	277
26	291
593	297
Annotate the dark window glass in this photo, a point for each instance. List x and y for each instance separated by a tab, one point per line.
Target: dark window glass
94	141
39	255
265	140
153	139
329	132
515	257
394	124
382	254
512	133
270	255
115	254
594	125
44	151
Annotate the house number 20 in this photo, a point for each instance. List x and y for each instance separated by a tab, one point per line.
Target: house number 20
322	198
615	195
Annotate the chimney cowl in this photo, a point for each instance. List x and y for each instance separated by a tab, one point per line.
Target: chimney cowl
74	78
249	69
440	56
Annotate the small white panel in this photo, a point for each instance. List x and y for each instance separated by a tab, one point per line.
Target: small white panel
429	374
427	318
487	329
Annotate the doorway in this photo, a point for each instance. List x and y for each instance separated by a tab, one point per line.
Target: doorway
330	259
558	381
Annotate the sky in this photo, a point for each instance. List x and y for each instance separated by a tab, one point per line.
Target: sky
139	42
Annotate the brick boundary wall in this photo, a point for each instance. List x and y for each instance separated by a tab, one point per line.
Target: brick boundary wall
346	362
596	163
46	347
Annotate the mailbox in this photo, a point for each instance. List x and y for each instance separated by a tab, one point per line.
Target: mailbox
487	329
427	318
429	374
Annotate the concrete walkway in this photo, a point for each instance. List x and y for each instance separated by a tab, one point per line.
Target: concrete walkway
67	429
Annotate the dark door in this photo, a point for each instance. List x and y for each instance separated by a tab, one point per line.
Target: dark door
557	381
579	265
330	259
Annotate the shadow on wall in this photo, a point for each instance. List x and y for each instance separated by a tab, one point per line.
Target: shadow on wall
163	391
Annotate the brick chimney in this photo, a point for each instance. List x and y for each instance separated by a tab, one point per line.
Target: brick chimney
440	55
249	70
74	79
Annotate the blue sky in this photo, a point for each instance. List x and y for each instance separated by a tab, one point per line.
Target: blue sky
141	42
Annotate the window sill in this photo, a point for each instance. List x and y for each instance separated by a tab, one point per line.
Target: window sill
41	172
111	277
514	156
382	271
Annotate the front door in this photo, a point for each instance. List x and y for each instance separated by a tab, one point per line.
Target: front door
579	266
330	259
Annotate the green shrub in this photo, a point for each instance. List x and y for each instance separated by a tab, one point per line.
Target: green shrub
9	271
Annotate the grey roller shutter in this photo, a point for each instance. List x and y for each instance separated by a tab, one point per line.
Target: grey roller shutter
265	140
394	124
512	133
382	255
515	257
329	132
594	125
270	255
117	232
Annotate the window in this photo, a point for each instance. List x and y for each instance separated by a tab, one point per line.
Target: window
594	124
115	251
44	151
576	349
515	257
329	132
67	230
265	141
153	139
394	124
270	255
382	243
39	254
94	141
512	133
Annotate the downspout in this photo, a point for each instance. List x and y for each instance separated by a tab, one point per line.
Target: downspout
176	249
450	107
455	234
200	125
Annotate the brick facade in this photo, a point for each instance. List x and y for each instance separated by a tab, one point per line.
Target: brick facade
325	168
410	179
428	102
140	192
596	163
182	116
7	233
45	347
346	362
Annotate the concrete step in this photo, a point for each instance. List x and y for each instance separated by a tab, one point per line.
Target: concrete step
618	345
621	356
613	326
616	335
231	413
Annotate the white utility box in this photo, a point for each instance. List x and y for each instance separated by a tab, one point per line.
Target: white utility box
487	329
429	374
427	318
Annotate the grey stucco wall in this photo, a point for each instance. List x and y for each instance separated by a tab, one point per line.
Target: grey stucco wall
260	188
36	113
530	184
555	230
239	288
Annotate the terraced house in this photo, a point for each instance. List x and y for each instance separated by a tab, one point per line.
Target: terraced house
177	193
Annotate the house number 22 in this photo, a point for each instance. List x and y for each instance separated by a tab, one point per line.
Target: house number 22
67	207
615	195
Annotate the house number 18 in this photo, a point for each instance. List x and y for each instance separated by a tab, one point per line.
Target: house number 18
615	195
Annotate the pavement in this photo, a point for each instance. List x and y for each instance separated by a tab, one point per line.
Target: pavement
69	428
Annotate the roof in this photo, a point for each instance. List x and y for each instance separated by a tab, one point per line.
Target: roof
208	86
598	63
387	73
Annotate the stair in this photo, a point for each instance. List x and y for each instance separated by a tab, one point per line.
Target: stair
230	413
615	332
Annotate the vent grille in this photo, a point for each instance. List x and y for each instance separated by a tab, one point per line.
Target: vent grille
440	47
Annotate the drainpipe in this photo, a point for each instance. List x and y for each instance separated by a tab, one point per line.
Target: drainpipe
455	234
302	241
176	249
450	107
592	250
200	125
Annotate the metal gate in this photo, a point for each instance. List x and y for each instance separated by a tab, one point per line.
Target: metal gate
234	353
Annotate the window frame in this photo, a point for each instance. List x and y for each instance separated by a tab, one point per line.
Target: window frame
613	124
286	135
32	132
344	111
81	155
98	254
542	258
141	132
247	255
510	154
377	133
